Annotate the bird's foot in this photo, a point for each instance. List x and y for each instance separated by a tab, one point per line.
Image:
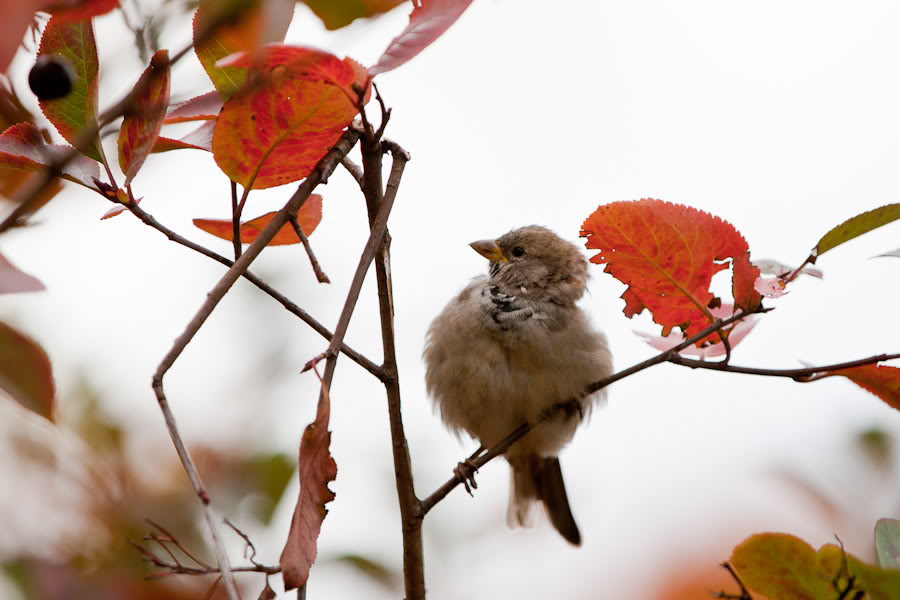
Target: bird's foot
465	472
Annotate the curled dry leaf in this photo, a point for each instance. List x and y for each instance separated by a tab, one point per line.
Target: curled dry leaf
317	469
667	255
427	22
711	346
23	147
76	111
276	131
309	216
142	124
12	280
25	372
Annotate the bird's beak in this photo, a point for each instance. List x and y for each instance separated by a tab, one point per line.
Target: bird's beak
490	250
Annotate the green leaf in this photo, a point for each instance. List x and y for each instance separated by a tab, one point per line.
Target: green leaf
25	372
856	226
887	542
77	110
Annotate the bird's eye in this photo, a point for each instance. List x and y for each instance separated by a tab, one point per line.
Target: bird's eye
518	251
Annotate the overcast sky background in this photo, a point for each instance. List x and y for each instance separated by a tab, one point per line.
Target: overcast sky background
780	117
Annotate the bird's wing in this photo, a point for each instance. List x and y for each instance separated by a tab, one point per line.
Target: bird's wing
507	311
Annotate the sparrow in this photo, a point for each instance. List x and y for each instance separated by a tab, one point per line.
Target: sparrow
512	345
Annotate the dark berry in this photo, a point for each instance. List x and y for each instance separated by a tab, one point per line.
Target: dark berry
51	77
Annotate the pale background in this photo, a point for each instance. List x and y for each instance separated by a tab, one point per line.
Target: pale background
780	117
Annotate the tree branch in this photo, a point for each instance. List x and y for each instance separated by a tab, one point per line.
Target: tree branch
325	166
320	275
439	494
802	375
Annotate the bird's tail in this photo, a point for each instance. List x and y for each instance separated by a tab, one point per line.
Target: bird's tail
538	478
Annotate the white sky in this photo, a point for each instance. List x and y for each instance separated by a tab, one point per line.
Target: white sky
780	117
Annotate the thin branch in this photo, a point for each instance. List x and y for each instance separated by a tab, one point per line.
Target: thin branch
235	222
325	166
320	275
38	183
745	593
439	494
291	307
354	169
802	375
411	525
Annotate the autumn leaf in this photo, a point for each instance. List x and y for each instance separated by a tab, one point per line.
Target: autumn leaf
337	14
667	254
317	469
23	147
427	22
12	280
25	372
881	380
70	12
142	123
308	216
711	346
245	26
200	108
770	266
276	132
784	567
198	139
76	111
855	227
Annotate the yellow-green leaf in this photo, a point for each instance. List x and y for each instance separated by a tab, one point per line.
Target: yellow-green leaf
855	227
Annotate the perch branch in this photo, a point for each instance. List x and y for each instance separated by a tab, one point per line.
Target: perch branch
802	375
320	275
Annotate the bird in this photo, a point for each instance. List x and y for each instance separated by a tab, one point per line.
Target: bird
512	345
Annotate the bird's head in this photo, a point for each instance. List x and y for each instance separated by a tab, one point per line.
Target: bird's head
538	260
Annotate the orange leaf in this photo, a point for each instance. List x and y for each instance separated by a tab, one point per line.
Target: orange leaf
883	381
308	216
25	372
69	12
276	131
667	254
317	469
141	126
23	147
427	22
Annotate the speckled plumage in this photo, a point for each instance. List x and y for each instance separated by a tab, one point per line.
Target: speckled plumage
511	345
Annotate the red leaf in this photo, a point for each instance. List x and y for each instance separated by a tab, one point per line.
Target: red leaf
70	12
25	372
667	254
23	147
743	286
12	280
883	381
317	469
74	112
275	132
141	125
308	216
200	108
710	346
198	139
427	22
265	22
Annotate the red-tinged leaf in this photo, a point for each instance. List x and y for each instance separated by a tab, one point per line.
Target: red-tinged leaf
25	372
428	21
18	15
12	280
141	125
23	147
666	254
309	216
201	108
881	380
255	23
770	287
744	281
317	469
710	346
118	209
198	139
275	132
74	112
81	10
337	14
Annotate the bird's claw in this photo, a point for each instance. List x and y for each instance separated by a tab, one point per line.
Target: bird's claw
465	472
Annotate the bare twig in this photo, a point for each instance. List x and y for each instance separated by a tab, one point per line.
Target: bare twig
745	593
439	494
235	222
320	275
802	375
291	307
325	166
411	526
354	169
